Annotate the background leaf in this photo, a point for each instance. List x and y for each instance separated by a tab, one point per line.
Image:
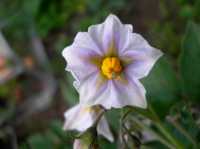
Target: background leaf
40	142
190	62
162	87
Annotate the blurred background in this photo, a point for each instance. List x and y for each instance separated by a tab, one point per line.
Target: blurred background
35	89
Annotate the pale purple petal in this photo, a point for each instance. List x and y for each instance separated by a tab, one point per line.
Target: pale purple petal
104	130
143	57
78	56
80	118
91	88
117	95
96	32
111	30
84	41
79	144
135	42
132	93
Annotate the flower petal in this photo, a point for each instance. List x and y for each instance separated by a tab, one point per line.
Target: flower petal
110	30
78	56
133	93
78	144
80	118
104	130
91	88
143	56
116	94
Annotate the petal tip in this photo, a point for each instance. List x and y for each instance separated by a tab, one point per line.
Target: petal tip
145	105
159	54
111	17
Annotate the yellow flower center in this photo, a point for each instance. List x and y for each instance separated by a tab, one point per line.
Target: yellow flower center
111	67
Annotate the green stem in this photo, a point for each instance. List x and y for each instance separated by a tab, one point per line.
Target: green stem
183	131
123	127
158	137
164	131
121	138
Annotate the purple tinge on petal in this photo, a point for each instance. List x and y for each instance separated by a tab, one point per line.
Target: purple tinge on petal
79	115
85	41
78	56
139	69
132	93
96	33
135	42
112	30
112	26
116	94
142	61
142	55
91	88
107	96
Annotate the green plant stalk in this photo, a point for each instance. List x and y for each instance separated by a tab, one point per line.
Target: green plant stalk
158	136
164	131
183	131
121	138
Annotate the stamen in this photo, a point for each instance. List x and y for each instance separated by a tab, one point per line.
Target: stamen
111	67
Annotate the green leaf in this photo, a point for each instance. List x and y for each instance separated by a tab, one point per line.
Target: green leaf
31	7
186	12
162	87
104	144
182	123
23	146
113	117
40	142
56	128
68	91
190	62
153	145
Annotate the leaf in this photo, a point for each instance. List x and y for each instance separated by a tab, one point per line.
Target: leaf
56	128
104	144
190	62
40	142
31	7
153	145
113	117
182	122
186	12
68	91
162	87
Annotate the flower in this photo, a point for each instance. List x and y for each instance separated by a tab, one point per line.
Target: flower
79	144
81	118
107	63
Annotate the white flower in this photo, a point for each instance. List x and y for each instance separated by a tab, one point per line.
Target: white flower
78	144
81	118
107	63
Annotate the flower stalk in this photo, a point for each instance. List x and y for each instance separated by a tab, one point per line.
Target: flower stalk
164	130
